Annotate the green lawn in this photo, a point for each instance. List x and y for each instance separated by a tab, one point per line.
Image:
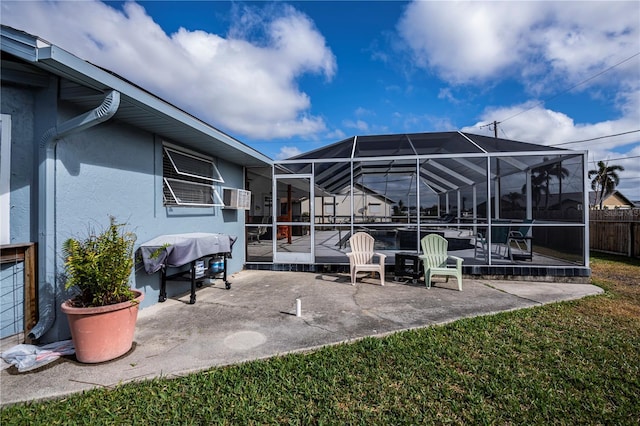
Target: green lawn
566	363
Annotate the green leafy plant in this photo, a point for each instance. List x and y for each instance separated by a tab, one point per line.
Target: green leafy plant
99	266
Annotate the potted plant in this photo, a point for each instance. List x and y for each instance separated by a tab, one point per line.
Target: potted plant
103	313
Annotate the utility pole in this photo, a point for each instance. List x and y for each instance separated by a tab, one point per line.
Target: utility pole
495	129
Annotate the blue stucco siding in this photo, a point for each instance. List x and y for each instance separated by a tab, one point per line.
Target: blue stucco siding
19	104
110	169
114	169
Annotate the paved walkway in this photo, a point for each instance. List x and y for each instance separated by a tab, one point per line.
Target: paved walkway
256	319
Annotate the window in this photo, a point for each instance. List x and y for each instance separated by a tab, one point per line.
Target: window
329	209
190	180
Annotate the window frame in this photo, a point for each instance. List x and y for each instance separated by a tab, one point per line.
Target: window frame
183	176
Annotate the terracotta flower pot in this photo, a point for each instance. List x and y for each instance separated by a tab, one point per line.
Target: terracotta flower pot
103	333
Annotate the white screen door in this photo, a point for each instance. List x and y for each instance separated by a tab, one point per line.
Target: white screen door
293	212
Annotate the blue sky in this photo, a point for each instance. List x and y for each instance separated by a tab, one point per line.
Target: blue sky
288	77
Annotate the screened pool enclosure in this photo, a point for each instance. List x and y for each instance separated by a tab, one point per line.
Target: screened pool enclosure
506	207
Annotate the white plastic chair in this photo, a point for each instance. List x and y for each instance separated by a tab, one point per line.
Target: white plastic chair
434	259
361	257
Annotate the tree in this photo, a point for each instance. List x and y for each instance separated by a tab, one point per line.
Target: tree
543	176
560	173
541	181
399	209
538	187
604	180
513	198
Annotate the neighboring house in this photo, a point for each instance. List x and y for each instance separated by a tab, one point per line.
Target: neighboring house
615	200
368	206
80	144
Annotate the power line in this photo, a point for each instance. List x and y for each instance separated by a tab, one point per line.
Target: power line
503	132
495	123
572	87
599	137
621	158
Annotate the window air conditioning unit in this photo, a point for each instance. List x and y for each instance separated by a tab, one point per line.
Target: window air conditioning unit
236	198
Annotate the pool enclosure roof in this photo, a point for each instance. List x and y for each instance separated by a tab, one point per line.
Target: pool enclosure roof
447	161
419	144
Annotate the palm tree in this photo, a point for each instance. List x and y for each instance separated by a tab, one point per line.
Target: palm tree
513	198
399	209
604	180
540	179
537	187
543	175
559	172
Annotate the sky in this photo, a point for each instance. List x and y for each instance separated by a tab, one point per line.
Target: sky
289	77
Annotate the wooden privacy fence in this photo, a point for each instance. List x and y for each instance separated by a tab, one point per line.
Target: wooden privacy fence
615	231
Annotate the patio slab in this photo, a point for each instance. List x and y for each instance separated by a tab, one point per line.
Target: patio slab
256	319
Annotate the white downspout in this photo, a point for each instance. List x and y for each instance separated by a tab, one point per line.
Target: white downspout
47	303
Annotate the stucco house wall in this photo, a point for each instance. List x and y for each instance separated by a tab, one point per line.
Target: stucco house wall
114	168
110	169
19	104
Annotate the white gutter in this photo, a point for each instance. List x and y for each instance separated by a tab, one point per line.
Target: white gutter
47	303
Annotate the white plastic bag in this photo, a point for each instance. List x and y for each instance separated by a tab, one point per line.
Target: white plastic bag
28	357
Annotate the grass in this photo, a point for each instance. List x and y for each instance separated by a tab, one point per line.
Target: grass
566	363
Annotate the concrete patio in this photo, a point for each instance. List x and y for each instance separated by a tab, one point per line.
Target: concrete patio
257	319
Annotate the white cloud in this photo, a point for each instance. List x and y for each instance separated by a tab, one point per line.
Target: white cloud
245	87
288	152
546	127
461	39
335	135
359	125
445	93
363	112
486	41
547	47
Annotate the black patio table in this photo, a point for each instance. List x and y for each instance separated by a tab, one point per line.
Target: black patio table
408	265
